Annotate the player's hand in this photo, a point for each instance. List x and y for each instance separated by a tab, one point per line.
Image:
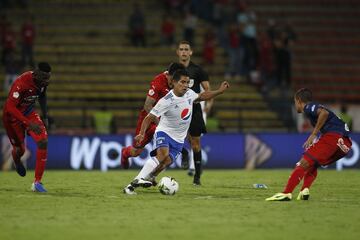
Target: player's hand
224	85
36	128
309	141
139	138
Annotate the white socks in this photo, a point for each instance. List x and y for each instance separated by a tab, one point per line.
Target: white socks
148	168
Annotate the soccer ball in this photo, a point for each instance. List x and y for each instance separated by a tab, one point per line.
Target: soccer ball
168	186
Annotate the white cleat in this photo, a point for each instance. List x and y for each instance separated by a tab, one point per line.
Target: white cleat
141	183
129	190
304	194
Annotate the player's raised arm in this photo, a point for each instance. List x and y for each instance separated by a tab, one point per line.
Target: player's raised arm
204	96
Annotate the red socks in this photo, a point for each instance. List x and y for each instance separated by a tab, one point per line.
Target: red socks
41	158
294	179
309	177
126	152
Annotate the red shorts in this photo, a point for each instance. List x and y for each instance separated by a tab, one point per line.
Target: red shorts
16	129
330	148
148	134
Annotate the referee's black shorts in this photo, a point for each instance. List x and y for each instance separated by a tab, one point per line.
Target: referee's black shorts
197	125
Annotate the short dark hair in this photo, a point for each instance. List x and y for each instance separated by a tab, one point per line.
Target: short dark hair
173	67
178	73
184	42
304	95
44	67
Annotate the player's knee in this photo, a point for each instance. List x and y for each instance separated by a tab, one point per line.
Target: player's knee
42	144
304	164
195	144
196	147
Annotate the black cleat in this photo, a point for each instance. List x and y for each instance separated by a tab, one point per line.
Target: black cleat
20	169
196	181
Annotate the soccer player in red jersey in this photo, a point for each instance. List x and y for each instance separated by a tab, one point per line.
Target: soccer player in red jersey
159	87
19	117
333	144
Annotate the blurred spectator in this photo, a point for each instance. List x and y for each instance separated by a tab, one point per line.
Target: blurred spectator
209	44
137	27
28	38
174	7
266	63
8	44
168	30
190	23
3	22
247	20
103	121
235	53
283	42
345	116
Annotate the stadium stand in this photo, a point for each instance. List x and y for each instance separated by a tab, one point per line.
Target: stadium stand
95	65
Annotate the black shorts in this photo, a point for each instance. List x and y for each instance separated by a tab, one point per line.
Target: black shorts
197	125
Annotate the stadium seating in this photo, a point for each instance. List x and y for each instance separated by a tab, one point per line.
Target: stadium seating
95	66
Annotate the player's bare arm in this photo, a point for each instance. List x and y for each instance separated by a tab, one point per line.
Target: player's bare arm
323	115
149	104
204	96
150	118
209	103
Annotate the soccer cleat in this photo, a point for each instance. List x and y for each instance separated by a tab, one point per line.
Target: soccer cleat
153	181
280	197
184	159
129	190
304	194
20	169
141	183
38	187
124	160
196	181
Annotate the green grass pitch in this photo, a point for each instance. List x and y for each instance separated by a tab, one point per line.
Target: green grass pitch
88	205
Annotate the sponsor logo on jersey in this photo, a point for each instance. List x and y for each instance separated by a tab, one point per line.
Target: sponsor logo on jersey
16	94
151	92
185	114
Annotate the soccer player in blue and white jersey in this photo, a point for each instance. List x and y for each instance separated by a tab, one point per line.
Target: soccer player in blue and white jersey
174	111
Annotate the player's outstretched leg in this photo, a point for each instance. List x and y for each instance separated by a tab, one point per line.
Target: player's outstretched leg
17	152
296	176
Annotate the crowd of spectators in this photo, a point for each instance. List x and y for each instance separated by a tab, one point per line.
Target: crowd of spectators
262	58
12	42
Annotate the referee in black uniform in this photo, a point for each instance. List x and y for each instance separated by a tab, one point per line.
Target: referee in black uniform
197	126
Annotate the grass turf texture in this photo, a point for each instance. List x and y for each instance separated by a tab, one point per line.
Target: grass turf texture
90	205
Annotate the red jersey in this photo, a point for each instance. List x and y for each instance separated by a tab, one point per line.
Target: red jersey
8	40
22	97
159	87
